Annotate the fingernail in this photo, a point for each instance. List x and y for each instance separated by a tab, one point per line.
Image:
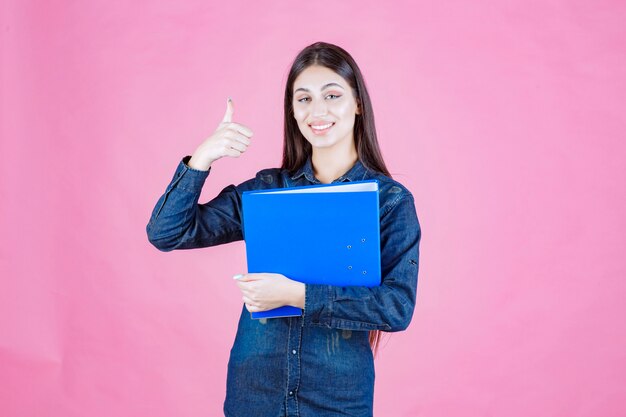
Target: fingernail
237	276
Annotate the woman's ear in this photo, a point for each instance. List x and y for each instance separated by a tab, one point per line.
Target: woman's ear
358	106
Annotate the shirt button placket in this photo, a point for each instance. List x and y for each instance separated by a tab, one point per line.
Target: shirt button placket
293	365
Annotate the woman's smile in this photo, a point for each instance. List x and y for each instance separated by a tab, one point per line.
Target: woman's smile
321	129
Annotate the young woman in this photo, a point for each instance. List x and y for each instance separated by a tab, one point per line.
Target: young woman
319	364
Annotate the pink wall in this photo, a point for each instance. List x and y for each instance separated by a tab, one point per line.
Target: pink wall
505	119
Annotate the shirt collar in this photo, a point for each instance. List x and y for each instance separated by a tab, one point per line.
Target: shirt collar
356	173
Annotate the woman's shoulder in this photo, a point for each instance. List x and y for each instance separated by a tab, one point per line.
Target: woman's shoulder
269	176
390	191
388	185
263	179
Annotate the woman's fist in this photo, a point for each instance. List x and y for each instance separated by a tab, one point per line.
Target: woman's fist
229	139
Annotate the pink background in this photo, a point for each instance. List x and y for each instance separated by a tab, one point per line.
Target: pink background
505	119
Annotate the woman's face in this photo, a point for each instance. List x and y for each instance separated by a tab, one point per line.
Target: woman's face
322	97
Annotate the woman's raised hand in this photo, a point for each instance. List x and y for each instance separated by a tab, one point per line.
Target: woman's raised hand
229	139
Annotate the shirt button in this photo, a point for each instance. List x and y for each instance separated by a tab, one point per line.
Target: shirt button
293	351
290	392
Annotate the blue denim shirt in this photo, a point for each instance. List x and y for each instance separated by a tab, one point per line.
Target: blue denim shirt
318	364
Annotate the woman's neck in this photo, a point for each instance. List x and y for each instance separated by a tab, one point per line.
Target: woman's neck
330	164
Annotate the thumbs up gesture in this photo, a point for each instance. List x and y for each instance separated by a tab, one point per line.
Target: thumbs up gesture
229	139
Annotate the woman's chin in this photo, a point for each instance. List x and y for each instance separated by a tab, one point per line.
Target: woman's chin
321	142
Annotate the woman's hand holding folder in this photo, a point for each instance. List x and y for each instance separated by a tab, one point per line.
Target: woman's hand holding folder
265	291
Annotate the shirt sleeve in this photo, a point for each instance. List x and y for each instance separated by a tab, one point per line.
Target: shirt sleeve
179	222
388	307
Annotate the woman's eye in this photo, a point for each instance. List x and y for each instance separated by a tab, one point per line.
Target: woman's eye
307	98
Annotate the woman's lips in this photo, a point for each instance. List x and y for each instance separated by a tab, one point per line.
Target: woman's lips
318	131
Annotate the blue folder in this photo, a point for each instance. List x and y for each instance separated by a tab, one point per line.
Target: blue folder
318	234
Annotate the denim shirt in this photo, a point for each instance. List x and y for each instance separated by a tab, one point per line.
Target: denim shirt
320	363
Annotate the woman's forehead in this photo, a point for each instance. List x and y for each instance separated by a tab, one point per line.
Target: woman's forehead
317	78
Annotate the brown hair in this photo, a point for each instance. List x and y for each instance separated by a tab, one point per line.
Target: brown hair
296	149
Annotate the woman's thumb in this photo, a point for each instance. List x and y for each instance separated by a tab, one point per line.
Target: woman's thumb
228	117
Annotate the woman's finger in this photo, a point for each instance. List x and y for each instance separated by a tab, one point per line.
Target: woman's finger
252	309
228	116
244	286
233	134
250	305
233	152
241	147
239	128
253	276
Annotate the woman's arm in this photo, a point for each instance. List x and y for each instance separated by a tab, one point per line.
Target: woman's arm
388	307
179	222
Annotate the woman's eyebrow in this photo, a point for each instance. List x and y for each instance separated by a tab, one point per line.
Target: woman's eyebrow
325	86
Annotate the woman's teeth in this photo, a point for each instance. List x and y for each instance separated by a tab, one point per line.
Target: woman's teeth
322	127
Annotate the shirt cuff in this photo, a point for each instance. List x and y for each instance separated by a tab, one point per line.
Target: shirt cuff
318	305
188	178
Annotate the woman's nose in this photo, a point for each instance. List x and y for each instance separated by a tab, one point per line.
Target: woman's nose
319	108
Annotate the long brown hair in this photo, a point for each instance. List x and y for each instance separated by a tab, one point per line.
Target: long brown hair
296	149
